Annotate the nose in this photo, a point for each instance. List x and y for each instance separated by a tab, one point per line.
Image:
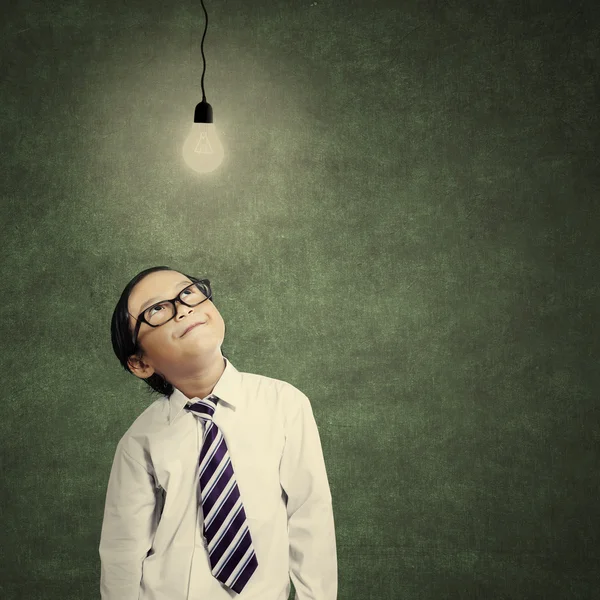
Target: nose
181	309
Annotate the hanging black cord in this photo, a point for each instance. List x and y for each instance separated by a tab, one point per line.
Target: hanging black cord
203	112
202	50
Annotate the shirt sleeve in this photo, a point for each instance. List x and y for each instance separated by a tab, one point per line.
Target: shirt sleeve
128	527
313	557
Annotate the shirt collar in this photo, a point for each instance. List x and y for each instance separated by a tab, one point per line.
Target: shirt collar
227	388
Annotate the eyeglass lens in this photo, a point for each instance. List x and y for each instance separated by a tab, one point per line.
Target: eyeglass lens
160	313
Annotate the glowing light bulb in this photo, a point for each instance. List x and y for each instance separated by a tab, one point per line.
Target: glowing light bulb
203	150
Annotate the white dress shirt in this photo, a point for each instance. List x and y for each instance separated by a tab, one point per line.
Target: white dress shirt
151	544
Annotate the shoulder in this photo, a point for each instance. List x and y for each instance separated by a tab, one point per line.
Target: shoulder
152	418
271	384
286	396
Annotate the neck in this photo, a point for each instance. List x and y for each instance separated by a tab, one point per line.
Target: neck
202	384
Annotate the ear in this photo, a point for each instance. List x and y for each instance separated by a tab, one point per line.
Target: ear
139	367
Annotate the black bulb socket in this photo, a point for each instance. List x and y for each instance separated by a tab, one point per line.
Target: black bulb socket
203	113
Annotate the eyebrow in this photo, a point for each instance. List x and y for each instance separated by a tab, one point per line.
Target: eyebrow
153	300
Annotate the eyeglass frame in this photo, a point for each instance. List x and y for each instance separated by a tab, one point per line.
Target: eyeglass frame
172	301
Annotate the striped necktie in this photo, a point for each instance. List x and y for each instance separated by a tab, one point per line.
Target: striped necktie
232	557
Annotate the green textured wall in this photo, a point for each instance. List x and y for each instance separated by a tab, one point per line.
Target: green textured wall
405	227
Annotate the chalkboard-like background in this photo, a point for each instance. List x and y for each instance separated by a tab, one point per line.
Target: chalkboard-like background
405	227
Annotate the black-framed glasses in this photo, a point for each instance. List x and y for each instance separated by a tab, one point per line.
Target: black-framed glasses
162	312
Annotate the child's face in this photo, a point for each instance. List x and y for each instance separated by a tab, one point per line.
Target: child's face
165	349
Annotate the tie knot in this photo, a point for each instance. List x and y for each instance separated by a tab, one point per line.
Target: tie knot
205	409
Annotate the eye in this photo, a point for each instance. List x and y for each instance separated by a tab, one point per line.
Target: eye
162	306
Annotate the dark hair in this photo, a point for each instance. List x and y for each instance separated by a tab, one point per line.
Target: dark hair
121	334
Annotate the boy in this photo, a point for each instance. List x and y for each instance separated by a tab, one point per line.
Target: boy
218	489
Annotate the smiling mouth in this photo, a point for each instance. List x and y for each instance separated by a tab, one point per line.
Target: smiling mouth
193	327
